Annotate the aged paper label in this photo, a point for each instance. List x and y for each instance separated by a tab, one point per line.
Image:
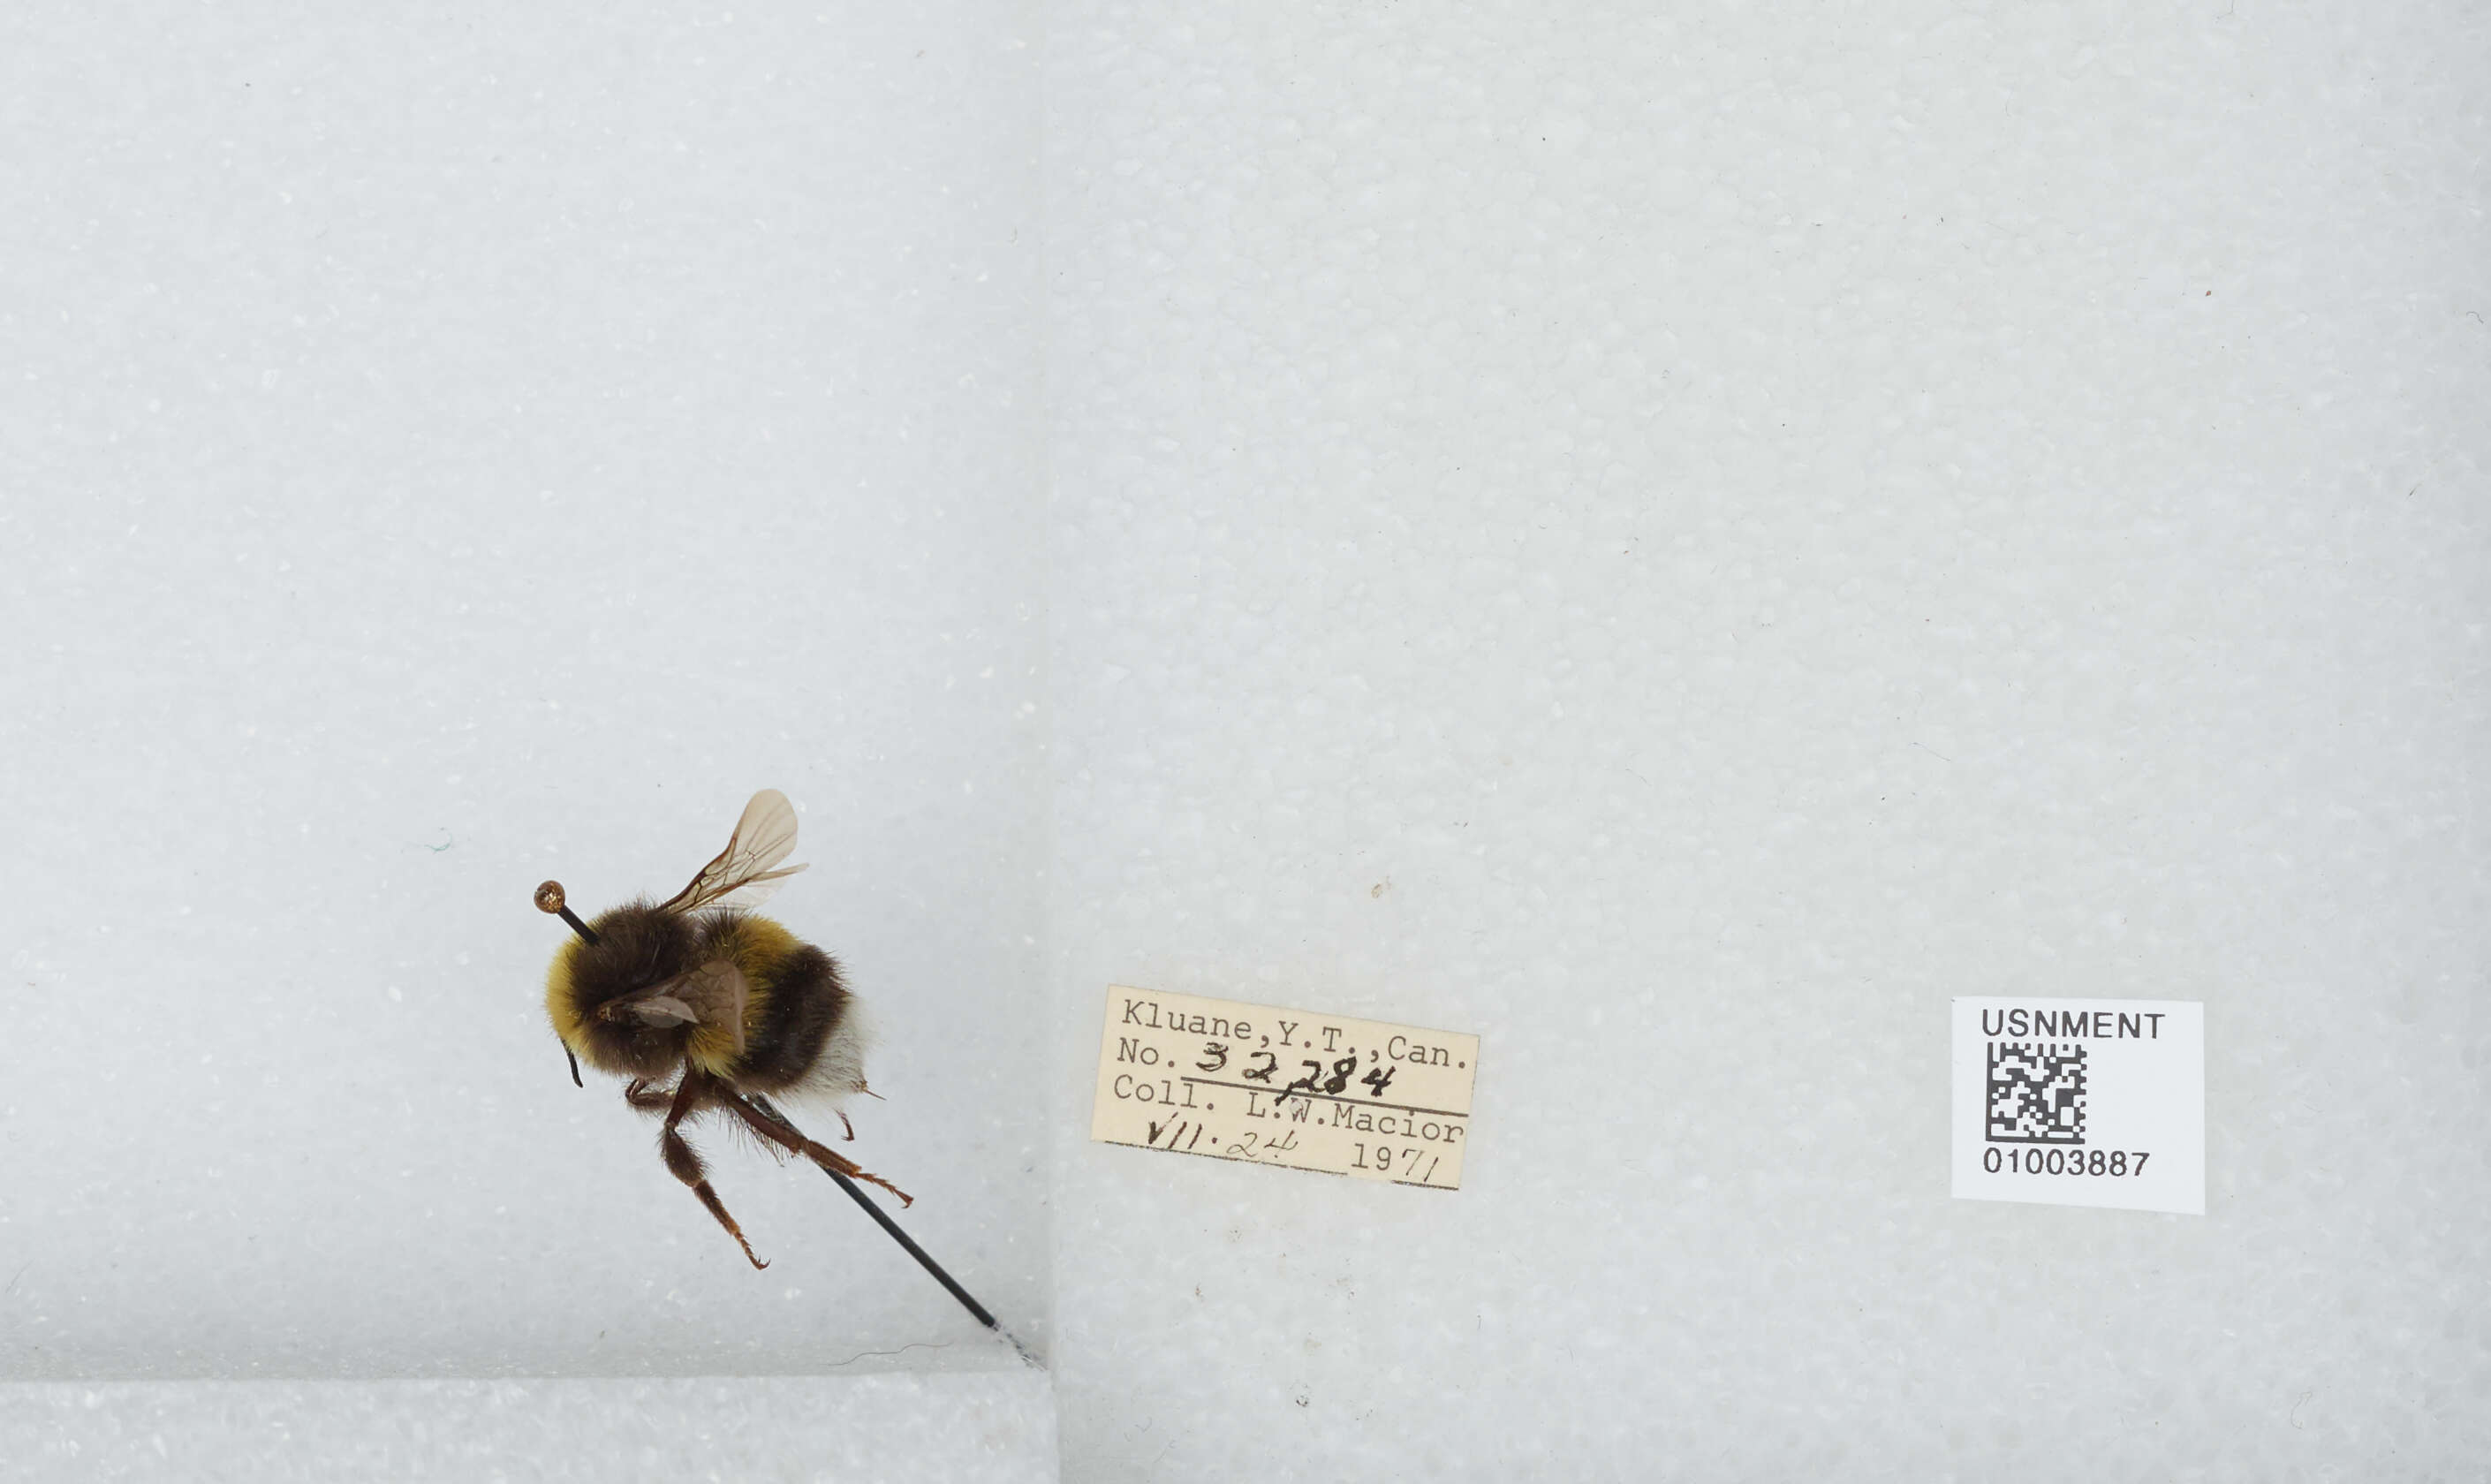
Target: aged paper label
1292	1087
2081	1102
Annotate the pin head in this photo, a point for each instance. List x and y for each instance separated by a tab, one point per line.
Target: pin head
549	901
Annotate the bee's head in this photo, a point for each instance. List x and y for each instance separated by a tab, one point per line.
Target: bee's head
596	991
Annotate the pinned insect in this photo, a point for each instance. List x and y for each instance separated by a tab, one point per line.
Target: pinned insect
710	1010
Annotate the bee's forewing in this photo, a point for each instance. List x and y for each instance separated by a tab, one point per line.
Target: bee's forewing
755	892
742	875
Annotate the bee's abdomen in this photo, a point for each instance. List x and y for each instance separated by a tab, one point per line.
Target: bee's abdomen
806	1003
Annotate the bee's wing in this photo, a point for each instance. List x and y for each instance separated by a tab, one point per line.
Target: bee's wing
715	994
742	875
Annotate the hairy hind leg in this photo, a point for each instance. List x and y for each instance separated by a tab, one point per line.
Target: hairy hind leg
772	1124
687	1164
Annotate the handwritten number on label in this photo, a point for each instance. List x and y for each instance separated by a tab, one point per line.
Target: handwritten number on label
1378	1078
1316	1081
1176	1130
1219	1055
1304	1084
1246	1144
1263	1073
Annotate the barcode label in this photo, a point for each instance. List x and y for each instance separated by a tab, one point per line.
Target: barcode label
2081	1102
2037	1093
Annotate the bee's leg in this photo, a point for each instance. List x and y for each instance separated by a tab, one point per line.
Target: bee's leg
687	1164
772	1124
844	1117
648	1100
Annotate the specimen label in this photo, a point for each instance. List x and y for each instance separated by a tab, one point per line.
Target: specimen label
1290	1088
2081	1102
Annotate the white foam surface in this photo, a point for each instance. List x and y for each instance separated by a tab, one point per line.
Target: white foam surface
997	1428
1675	539
1678	539
447	451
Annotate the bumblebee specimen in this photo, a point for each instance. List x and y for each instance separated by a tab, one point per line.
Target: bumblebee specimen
710	1010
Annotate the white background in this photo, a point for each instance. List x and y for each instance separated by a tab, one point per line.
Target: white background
1747	521
447	453
1757	521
